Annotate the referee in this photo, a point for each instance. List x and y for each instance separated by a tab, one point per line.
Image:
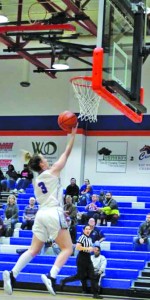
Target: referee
85	267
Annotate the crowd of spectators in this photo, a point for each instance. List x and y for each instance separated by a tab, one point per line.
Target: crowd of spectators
98	210
99	207
15	181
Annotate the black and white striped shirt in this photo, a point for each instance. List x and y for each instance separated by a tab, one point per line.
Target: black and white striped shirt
85	241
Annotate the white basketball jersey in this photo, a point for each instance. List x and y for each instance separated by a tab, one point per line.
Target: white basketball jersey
48	190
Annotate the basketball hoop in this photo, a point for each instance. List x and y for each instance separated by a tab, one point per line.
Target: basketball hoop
88	99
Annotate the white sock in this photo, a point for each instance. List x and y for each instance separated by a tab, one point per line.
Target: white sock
54	271
23	260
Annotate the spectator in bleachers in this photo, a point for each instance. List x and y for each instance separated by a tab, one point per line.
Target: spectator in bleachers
143	234
73	190
96	234
109	212
1	178
91	209
101	196
9	182
99	262
2	227
11	215
86	191
70	209
29	214
25	179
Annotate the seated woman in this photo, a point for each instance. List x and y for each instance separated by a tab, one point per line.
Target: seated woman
25	179
29	214
86	191
9	182
11	215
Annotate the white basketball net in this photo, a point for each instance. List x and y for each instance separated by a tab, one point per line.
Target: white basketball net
88	99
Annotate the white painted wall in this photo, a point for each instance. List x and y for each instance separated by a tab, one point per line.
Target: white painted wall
132	176
47	96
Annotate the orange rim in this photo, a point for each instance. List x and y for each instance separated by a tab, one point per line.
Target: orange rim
76	81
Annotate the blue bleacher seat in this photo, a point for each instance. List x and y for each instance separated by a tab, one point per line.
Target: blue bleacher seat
25	233
123	254
20	241
25	195
123	264
121	188
134	211
119	238
139	217
111	283
112	230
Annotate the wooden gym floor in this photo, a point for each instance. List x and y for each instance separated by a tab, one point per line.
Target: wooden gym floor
21	295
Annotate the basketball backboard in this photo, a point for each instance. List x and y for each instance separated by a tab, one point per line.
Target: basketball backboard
117	61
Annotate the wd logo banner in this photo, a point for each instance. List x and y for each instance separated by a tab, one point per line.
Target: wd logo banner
48	148
11	149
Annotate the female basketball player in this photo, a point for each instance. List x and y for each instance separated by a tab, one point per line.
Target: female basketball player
49	221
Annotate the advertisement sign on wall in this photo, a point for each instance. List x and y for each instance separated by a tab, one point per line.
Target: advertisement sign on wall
111	157
144	158
11	151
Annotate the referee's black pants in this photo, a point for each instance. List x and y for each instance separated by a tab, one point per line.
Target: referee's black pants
85	270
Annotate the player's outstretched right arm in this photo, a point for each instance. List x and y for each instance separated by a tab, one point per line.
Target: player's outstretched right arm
59	165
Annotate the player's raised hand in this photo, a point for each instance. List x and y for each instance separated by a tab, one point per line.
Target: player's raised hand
74	129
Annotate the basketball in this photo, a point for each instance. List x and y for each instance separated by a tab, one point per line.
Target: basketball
67	120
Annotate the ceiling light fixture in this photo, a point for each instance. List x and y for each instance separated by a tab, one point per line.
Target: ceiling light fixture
3	18
60	64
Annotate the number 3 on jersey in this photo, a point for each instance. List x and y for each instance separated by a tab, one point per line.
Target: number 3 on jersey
43	187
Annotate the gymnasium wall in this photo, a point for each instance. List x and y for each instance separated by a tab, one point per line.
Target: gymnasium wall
34	110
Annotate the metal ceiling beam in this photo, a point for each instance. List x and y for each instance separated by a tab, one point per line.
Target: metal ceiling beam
17	56
86	24
19	18
56	70
51	7
89	25
10	43
47	6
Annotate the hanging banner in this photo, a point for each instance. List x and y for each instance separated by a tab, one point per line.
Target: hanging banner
111	157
